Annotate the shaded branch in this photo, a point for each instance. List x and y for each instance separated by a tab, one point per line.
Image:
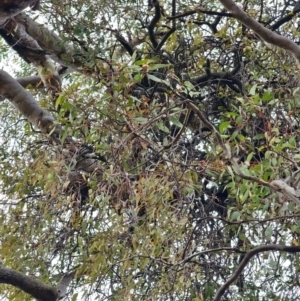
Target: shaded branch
225	78
282	21
286	18
172	30
214	25
195	11
10	9
122	40
124	43
164	39
153	23
247	258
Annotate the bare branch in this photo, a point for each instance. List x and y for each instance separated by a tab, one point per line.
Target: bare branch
235	250
25	81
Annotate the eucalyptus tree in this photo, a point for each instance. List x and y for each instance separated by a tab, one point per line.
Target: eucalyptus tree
149	151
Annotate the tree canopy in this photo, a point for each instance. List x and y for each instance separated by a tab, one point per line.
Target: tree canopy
149	150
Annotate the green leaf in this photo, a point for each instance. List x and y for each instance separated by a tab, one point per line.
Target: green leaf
223	126
154	78
175	121
157	66
74	297
141	120
253	89
235	215
162	127
60	100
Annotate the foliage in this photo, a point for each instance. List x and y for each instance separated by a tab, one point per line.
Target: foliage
166	215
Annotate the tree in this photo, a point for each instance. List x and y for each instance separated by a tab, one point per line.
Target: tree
149	151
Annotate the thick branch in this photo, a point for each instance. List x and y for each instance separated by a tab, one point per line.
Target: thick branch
225	78
47	39
245	261
9	9
56	48
266	34
26	81
15	34
25	103
30	286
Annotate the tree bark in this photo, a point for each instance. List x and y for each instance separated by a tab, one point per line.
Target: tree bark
26	104
33	287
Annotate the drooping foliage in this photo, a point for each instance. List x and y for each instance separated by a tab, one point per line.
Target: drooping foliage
156	179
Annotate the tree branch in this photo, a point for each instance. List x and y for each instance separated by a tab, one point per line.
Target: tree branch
26	104
153	23
195	11
30	286
286	18
57	49
27	81
16	35
172	30
266	34
245	261
9	9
